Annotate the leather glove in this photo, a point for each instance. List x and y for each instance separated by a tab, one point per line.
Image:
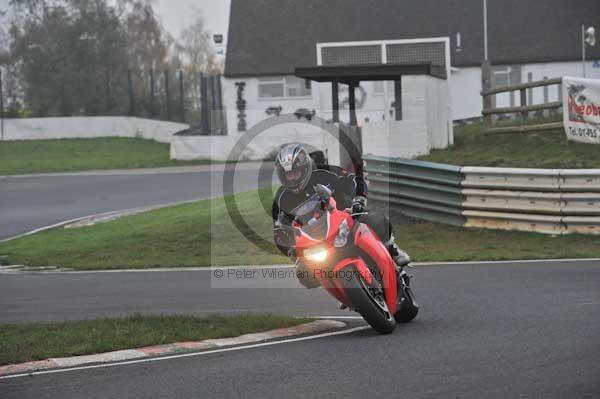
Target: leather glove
284	239
359	204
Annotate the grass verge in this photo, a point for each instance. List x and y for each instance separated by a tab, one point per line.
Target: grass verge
65	155
189	235
516	150
202	234
38	341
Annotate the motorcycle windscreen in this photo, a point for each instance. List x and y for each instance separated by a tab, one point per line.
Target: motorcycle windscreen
318	226
313	218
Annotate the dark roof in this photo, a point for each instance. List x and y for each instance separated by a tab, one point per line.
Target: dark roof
356	73
268	37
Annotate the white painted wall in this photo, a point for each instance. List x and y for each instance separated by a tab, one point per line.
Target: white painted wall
426	124
425	121
89	127
439	113
256	107
219	148
406	139
465	85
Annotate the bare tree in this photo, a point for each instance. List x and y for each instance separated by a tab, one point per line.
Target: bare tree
145	36
197	55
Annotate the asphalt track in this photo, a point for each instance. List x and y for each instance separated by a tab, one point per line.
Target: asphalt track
507	330
31	202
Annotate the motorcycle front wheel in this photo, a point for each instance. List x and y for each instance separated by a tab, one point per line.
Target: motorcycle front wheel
369	302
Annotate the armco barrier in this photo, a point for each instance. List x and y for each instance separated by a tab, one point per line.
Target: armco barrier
420	189
548	201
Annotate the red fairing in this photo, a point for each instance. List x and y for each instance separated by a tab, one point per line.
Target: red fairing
335	220
368	241
334	285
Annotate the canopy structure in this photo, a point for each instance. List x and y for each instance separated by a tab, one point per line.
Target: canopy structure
355	73
352	75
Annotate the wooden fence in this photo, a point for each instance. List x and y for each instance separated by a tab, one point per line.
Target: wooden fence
489	111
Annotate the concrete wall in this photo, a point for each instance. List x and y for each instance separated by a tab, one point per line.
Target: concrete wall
219	148
89	127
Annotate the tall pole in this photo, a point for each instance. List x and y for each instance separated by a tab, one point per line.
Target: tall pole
352	103
485	31
335	101
583	48
486	68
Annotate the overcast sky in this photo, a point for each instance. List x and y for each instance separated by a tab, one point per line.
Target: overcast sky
177	13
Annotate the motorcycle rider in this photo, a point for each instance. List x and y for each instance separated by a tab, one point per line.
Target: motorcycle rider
298	178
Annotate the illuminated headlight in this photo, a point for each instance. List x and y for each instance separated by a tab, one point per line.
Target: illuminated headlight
342	237
318	254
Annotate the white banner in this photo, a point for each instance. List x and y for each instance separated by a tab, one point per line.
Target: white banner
581	109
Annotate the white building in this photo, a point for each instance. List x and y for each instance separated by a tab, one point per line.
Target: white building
528	39
269	39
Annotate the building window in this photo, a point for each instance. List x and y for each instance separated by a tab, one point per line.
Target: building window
288	87
270	88
502	77
296	87
378	86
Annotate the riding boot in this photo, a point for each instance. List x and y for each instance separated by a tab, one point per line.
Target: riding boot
400	257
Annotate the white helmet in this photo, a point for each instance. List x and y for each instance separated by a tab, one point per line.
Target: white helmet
294	167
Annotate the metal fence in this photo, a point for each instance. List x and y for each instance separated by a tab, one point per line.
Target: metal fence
523	110
548	201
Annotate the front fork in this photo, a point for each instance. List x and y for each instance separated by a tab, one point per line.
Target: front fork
404	286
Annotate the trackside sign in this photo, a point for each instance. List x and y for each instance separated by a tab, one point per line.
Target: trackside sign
581	109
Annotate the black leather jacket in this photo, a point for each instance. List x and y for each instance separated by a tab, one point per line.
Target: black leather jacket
345	187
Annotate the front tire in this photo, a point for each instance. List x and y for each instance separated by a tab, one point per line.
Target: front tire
373	309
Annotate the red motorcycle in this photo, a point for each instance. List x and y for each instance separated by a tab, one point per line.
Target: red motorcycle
351	262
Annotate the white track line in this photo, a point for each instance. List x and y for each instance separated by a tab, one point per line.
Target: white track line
503	262
215	167
139	209
20	269
52	226
209	352
15	269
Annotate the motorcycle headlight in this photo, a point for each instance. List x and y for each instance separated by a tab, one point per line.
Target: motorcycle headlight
318	254
342	237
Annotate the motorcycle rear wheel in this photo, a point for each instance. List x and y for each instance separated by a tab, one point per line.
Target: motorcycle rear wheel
373	309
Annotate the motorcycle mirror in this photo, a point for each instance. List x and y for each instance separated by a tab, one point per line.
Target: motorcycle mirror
323	192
